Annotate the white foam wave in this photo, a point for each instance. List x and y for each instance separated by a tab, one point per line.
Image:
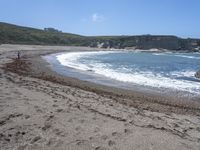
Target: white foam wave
71	59
141	78
176	55
148	79
158	54
186	73
186	56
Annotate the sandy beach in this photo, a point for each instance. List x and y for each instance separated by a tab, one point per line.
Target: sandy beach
40	109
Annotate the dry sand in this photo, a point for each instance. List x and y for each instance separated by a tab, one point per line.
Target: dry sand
38	111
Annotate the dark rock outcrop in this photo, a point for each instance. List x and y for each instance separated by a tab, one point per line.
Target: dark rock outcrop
197	75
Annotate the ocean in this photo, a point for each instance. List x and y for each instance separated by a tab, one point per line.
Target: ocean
164	71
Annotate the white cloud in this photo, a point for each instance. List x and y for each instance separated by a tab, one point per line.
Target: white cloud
97	18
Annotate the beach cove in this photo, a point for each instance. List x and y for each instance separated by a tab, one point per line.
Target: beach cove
46	110
169	73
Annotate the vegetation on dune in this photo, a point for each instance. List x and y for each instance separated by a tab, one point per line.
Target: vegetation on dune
13	34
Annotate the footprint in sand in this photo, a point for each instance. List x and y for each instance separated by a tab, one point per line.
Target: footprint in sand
111	143
81	142
59	132
35	139
127	131
54	105
54	142
101	148
82	121
78	128
70	120
47	125
27	116
38	109
97	129
59	110
115	134
104	137
22	147
50	117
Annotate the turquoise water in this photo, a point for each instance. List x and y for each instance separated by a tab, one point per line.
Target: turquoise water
174	71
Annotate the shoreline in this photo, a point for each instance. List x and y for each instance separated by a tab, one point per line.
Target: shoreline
151	96
153	101
41	109
92	77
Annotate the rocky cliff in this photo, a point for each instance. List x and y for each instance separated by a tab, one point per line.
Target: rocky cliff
197	75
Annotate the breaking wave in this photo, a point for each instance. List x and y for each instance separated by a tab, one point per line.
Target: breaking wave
125	74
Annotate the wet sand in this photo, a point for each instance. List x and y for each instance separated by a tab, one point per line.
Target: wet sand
41	109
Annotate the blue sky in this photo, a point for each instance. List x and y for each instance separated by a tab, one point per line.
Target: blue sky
107	17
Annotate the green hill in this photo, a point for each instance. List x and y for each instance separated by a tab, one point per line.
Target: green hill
24	35
13	34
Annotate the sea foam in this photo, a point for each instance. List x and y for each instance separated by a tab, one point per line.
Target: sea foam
145	78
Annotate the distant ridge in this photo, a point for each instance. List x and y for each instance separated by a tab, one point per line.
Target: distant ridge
14	34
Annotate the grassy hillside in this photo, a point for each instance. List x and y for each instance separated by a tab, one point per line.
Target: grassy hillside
24	35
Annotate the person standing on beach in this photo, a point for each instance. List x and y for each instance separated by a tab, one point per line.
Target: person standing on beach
18	55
